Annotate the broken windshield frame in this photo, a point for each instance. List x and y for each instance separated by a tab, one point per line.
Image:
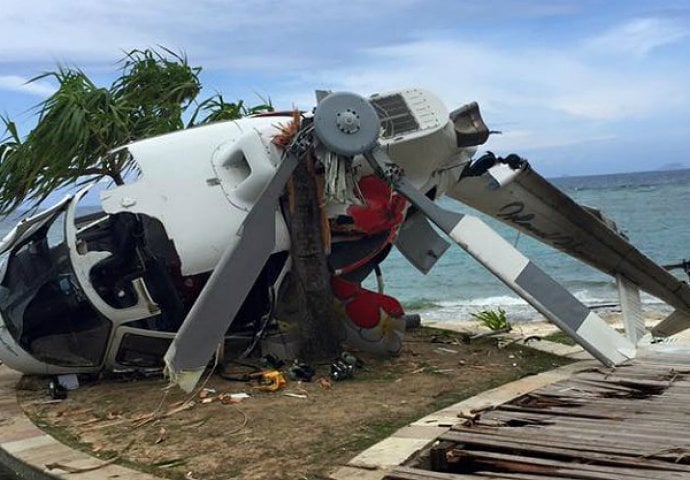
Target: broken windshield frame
42	303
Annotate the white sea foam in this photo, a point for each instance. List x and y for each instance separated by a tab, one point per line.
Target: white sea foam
517	309
502	300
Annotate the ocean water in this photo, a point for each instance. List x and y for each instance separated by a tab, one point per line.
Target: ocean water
652	208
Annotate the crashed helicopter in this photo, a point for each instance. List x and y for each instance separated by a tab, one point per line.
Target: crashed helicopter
185	256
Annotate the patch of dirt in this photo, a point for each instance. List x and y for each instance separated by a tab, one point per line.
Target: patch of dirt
271	435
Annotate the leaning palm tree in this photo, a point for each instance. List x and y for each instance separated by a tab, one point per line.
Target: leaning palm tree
81	123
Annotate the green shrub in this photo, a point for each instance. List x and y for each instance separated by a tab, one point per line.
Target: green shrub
493	319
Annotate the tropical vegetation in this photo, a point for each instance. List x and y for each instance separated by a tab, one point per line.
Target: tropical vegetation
494	320
79	125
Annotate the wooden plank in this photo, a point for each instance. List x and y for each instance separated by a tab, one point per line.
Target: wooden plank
556	467
564	450
510	476
630	449
590	440
612	437
407	473
559	411
679	402
508	420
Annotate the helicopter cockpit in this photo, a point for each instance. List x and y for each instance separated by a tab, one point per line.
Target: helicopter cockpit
43	307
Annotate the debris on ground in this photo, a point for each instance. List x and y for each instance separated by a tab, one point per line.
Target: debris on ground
271	381
302	372
237	434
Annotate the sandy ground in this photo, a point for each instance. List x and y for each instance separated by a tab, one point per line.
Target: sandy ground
541	327
272	435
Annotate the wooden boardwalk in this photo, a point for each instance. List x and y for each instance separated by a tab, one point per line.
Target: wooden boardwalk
627	423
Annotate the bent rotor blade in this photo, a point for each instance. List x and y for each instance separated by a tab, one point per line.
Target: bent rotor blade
515	270
536	207
221	298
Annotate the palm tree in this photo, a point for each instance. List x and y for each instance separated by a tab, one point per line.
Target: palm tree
82	122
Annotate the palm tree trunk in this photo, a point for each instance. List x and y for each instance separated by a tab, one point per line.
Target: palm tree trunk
321	330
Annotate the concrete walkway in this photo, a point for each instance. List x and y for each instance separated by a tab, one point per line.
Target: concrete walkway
27	450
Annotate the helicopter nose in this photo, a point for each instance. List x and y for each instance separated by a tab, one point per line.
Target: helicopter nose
15	357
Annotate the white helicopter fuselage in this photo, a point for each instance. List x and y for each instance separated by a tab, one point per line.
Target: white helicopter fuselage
63	310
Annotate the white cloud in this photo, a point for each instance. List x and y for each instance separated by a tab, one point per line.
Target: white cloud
16	83
639	37
512	78
222	32
533	140
621	98
544	90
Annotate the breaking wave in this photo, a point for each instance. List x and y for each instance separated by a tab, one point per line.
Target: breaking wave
517	309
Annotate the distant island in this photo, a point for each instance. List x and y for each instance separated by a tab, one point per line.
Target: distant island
673	166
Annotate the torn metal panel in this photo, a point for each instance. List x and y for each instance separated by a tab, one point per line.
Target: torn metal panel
73	336
419	242
83	263
28	226
200	177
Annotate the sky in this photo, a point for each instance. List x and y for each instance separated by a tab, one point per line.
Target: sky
577	87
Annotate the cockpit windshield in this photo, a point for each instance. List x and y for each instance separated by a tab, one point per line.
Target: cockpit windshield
43	306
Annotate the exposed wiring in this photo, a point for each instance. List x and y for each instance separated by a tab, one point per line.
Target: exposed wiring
379	278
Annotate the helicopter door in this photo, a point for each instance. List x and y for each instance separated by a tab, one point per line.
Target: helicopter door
85	261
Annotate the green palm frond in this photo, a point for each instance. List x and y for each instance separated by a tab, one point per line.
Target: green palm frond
216	109
81	122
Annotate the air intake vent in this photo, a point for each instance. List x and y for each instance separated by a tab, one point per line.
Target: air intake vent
396	117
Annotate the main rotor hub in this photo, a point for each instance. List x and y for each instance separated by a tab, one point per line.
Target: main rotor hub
346	124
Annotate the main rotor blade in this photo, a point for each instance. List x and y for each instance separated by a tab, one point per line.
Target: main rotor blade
515	270
221	298
535	207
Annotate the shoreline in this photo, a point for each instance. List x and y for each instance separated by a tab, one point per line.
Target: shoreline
540	326
517	310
